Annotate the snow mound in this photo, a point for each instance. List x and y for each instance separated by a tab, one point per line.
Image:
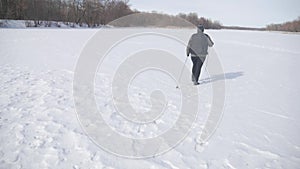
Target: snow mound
12	24
43	24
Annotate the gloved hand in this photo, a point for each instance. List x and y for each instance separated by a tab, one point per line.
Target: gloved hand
188	51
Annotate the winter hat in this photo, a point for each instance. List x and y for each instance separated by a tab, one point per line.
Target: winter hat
200	27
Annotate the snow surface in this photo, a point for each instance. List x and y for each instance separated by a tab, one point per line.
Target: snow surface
259	129
12	23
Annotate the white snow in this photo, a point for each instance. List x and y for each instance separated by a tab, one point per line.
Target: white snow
259	129
12	23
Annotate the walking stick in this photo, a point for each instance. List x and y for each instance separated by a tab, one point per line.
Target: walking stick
177	87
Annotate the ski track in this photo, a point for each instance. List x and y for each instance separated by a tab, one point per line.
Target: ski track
39	127
272	114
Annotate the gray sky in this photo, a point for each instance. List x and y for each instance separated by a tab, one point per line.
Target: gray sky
254	13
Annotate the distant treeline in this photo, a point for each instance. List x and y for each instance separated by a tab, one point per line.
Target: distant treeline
292	26
194	19
155	19
101	12
90	12
243	28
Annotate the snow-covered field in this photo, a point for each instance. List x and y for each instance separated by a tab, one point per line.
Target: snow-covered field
259	129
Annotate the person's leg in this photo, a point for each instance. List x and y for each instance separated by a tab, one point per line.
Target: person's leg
197	64
194	68
200	63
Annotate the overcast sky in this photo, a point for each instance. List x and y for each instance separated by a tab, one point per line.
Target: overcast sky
254	13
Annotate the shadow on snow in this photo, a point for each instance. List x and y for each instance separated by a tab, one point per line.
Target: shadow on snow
228	76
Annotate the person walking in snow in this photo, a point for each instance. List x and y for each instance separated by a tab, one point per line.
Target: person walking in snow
197	47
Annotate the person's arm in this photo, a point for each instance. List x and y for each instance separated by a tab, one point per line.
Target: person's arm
210	42
188	48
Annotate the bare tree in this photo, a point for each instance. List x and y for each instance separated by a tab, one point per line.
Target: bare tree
292	26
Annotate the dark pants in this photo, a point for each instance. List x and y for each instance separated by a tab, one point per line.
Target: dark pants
197	65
